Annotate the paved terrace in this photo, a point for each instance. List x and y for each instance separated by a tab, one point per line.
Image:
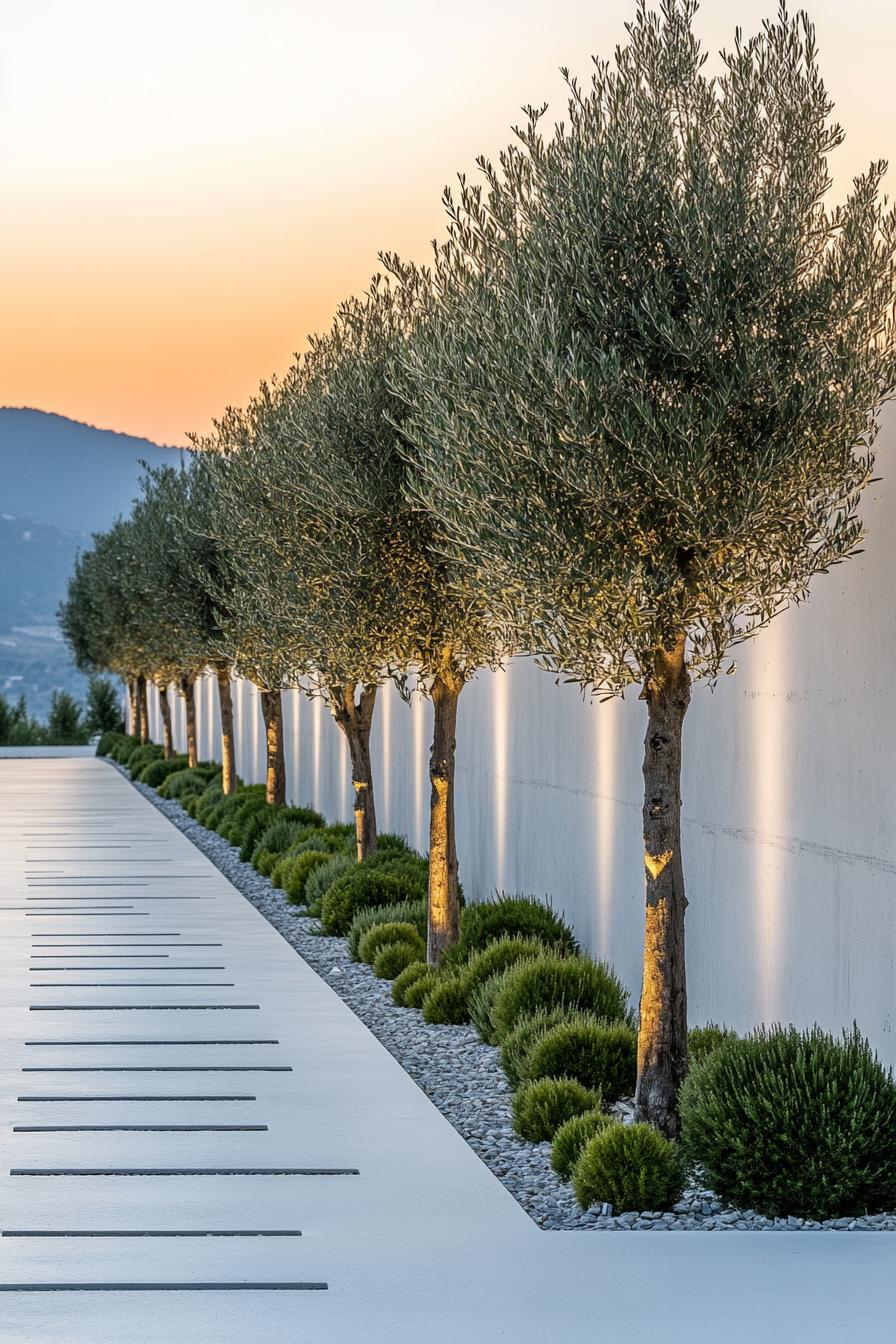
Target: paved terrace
200	1142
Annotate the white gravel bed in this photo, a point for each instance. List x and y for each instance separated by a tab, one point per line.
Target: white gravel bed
461	1075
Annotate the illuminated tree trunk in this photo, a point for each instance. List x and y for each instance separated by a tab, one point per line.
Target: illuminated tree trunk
444	907
228	745
663	1029
165	707
188	691
355	719
142	710
272	709
134	701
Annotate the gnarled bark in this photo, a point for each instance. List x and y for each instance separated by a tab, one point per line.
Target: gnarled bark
443	927
355	719
142	710
272	710
228	745
663	1029
165	708
188	691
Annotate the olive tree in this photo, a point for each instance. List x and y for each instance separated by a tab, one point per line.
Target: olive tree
186	573
105	618
644	399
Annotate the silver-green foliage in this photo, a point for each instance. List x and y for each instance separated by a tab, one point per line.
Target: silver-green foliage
644	397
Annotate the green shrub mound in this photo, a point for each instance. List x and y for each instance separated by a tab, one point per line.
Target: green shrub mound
157	772
517	1043
124	749
600	1055
362	886
541	1107
570	1139
294	879
481	1002
702	1041
253	828
381	935
553	982
185	781
446	1003
498	956
415	993
111	741
405	912
415	971
208	801
322	879
389	848
631	1167
142	756
511	917
394	958
795	1123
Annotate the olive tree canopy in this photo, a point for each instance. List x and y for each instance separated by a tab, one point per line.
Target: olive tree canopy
644	399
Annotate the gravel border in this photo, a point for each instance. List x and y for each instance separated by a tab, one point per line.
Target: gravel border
461	1075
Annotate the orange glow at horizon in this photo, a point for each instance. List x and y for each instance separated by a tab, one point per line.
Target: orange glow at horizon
188	189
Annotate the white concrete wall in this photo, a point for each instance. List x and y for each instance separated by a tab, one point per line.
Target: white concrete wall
789	802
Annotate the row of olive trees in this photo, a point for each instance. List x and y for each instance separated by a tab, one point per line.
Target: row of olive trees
618	424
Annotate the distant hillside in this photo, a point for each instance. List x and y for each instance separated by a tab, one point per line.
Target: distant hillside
55	470
60	481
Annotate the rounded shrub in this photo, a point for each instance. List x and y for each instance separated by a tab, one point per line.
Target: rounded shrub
253	828
498	956
360	887
394	958
323	878
794	1122
388	848
512	917
157	772
381	935
541	1107
631	1167
110	740
517	1043
446	1003
142	756
404	912
184	781
600	1055
702	1041
571	1137
415	993
481	1002
415	971
554	982
298	870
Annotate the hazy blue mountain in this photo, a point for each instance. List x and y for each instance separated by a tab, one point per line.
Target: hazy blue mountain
60	481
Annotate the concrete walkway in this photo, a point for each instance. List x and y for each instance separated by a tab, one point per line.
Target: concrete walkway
193	1121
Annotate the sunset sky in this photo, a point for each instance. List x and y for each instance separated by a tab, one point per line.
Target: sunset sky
190	186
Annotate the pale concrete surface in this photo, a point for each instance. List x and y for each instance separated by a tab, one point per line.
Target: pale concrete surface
422	1244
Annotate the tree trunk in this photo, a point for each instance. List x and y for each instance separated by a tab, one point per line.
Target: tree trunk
143	709
355	720
188	691
165	707
663	1029
272	709
228	746
134	700
444	908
